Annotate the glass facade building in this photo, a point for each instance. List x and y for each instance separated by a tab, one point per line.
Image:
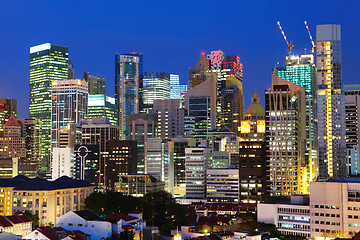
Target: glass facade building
103	106
48	63
128	88
156	86
69	105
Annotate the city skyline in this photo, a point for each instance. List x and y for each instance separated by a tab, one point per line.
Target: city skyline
173	43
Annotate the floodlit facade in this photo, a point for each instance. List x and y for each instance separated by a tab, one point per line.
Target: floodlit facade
128	89
285	136
334	207
69	105
330	102
252	163
48	63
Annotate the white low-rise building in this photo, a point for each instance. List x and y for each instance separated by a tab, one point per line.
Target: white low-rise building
87	222
291	218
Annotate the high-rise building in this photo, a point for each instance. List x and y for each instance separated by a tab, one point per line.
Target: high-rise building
200	72
252	162
174	86
352	104
62	162
86	163
103	106
48	63
69	105
200	102
8	107
128	88
156	86
301	71
31	131
121	160
170	118
96	85
330	105
71	71
12	143
159	161
222	185
142	127
285	137
70	135
99	131
197	161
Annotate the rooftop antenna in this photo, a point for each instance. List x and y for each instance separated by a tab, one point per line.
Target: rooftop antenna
290	45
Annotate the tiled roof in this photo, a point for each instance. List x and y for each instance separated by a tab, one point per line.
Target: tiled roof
127	227
87	215
39	184
14	219
135	211
120	216
4	222
48	232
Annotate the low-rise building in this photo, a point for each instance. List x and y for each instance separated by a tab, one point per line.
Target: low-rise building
18	224
46	199
290	218
335	207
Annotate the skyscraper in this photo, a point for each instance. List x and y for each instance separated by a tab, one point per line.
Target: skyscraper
253	166
128	88
69	105
48	63
8	107
156	86
285	135
330	105
301	71
103	106
96	84
200	72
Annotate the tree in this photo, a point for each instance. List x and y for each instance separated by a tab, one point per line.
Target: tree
34	218
124	235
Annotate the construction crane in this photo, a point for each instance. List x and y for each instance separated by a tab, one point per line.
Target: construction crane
312	42
290	45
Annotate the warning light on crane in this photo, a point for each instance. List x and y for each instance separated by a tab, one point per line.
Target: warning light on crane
290	45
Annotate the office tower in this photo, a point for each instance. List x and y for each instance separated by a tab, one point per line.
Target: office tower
197	161
352	104
200	102
103	106
285	137
222	185
231	100
71	71
170	118
219	159
48	63
8	107
11	167
156	86
12	144
99	131
142	127
62	162
223	140
330	102
159	161
128	88
86	163
301	71
179	163
31	131
174	87
200	72
252	163
121	160
69	105
96	85
70	135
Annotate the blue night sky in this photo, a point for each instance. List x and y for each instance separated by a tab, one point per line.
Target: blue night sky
171	34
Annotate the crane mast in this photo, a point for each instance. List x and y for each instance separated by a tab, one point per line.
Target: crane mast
290	45
311	39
